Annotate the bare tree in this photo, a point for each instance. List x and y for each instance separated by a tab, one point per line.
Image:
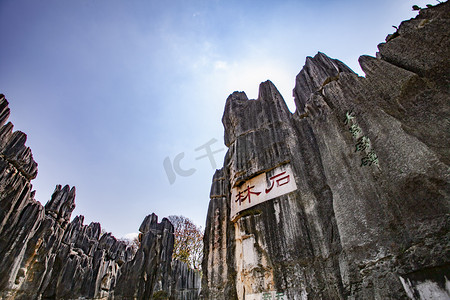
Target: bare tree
188	245
133	243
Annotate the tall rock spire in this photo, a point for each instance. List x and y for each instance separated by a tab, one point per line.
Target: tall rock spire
348	198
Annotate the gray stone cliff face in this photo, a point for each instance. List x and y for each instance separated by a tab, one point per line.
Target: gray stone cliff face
44	255
369	218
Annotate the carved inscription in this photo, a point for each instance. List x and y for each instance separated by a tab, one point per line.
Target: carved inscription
262	188
362	142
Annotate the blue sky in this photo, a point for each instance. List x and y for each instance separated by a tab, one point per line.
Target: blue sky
107	90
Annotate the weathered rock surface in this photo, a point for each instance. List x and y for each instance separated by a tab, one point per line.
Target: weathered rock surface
151	264
186	282
44	255
370	159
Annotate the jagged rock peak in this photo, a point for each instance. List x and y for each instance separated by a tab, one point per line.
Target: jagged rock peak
93	230
148	223
62	203
12	144
242	115
150	268
43	256
4	110
318	71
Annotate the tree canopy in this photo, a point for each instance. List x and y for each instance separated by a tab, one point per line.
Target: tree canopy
188	245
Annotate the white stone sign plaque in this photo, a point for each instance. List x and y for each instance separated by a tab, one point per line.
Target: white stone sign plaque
262	188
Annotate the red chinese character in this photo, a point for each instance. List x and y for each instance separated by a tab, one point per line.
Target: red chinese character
280	181
241	198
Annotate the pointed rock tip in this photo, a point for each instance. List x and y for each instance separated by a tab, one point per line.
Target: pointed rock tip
65	190
218	174
148	222
366	62
318	56
266	91
266	83
237	96
78	219
167	224
58	188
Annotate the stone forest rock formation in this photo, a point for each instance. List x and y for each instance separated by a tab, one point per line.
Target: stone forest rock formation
348	197
44	255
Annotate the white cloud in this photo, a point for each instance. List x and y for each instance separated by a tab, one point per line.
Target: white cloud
130	236
246	74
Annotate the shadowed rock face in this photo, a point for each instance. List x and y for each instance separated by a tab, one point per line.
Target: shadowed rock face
44	255
370	158
151	264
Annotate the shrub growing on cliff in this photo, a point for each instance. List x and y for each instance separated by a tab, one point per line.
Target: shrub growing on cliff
188	245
